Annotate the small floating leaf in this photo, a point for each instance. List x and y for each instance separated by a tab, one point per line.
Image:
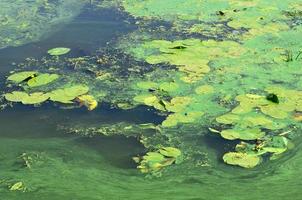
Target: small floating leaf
58	51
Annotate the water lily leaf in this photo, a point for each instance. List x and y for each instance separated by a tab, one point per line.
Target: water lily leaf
205	89
150	100
147	85
170	152
178	104
181	117
21	76
15	96
42	79
277	145
241	159
58	51
34	98
244	134
17	186
66	95
155	161
228	119
169	87
88	100
274	111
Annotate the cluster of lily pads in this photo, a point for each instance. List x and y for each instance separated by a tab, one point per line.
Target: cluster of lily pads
260	119
64	95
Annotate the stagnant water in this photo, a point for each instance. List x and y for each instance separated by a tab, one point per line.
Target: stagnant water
96	168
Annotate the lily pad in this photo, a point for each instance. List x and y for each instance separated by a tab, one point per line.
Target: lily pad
21	76
170	152
42	79
58	51
155	161
66	95
244	134
241	159
34	98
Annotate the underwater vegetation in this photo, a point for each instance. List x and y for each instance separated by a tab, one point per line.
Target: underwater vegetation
217	69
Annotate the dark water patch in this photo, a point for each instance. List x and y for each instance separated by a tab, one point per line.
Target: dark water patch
85	34
117	150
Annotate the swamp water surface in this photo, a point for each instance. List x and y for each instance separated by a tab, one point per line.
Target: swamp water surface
145	67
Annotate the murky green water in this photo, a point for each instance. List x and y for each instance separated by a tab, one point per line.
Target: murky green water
50	149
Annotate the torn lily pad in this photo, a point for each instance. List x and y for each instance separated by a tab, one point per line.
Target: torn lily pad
58	51
21	76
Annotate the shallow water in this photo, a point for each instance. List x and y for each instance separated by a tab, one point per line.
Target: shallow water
69	166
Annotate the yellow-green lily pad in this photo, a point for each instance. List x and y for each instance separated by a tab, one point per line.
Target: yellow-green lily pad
66	95
58	51
21	76
244	134
241	159
42	79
